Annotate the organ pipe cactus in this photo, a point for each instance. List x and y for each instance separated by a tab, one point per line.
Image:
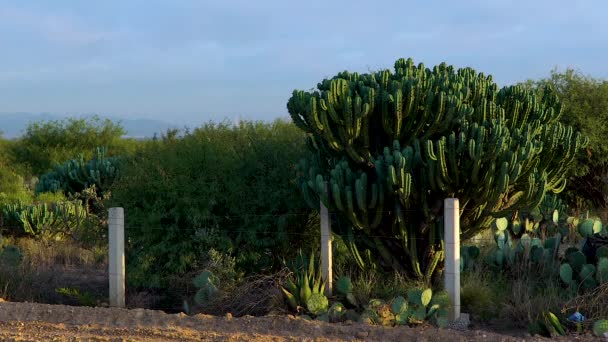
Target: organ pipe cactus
77	174
392	145
48	219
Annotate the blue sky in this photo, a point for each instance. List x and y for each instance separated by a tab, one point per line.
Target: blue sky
191	61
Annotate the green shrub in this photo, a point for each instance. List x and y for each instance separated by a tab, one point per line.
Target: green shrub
81	298
222	187
48	143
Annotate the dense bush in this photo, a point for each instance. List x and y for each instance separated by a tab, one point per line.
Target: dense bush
48	143
222	187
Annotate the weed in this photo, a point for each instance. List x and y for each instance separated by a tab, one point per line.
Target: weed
479	295
83	299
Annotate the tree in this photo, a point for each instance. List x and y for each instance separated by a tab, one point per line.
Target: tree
393	145
49	143
585	102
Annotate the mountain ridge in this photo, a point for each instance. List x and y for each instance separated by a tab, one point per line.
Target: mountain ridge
13	125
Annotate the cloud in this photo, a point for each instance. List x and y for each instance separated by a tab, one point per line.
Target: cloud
54	27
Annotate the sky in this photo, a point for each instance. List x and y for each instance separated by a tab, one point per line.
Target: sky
194	61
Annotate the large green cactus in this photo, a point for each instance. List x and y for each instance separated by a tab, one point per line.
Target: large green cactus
77	174
44	219
392	145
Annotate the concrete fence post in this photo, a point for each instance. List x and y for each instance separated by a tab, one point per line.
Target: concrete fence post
116	235
326	248
451	214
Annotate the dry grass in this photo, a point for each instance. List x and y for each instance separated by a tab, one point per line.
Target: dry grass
527	300
513	297
593	304
44	254
479	296
48	266
256	295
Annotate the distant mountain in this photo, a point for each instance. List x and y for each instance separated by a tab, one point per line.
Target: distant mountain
13	125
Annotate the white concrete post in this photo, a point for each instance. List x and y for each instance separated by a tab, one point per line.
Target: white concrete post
451	214
116	234
326	247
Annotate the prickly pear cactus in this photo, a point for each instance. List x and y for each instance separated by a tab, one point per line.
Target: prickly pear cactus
586	229
419	296
398	305
565	274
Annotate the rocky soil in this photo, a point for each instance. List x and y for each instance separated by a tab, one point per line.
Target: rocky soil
43	322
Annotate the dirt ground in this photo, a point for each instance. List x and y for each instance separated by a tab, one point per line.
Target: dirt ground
44	322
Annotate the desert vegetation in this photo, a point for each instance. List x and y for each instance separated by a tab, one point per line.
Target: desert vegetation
224	218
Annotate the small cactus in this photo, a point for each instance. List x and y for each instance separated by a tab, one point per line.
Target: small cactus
336	312
317	304
600	327
304	283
